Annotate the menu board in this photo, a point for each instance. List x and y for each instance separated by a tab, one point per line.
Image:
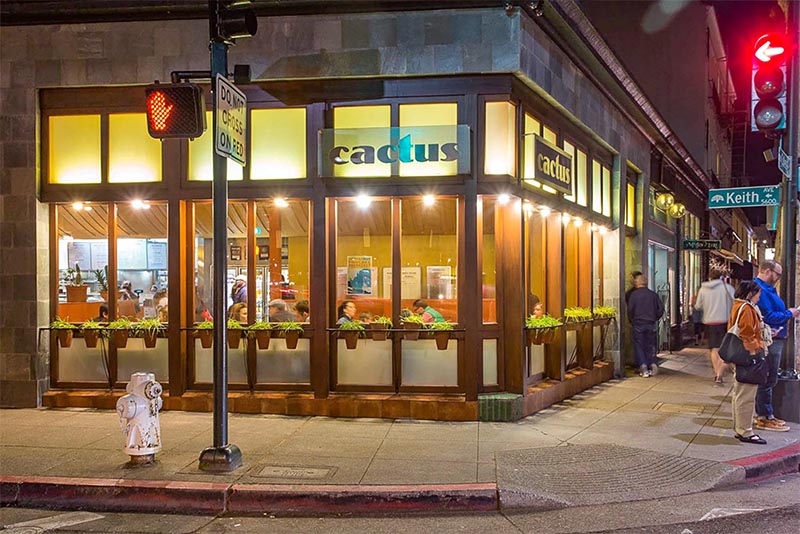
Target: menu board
156	255
410	279
99	254
132	254
79	252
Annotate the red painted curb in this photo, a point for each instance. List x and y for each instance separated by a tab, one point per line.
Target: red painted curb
777	462
164	496
297	499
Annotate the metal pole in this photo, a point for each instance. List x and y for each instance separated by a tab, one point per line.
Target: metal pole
222	457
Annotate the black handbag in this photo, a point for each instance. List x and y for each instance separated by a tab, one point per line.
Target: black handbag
732	349
755	373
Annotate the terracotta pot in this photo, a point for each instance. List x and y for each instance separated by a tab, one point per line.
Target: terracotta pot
442	338
541	336
64	337
412	326
291	337
576	325
350	339
77	293
90	337
262	339
379	332
234	338
120	337
150	339
206	338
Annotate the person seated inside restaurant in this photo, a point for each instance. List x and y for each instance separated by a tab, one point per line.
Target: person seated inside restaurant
302	311
538	310
365	317
238	312
103	317
278	312
428	314
346	312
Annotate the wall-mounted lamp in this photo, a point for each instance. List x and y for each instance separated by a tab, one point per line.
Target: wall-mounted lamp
676	211
664	201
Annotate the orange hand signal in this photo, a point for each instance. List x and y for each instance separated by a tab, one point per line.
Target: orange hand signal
159	111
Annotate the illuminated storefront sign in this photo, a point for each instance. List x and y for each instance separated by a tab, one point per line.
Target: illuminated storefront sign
552	165
405	151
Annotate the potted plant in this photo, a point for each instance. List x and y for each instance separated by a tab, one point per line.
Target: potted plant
91	332
64	331
576	317
102	279
205	331
351	331
119	330
76	289
441	333
290	331
541	330
380	326
603	315
148	330
234	333
260	329
414	323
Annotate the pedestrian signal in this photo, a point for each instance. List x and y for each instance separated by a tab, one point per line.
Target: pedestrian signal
175	110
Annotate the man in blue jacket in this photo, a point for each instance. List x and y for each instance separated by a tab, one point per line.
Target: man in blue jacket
644	310
776	316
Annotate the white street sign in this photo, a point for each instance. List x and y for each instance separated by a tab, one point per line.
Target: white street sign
231	130
784	162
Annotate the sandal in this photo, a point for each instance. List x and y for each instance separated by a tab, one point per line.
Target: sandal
755	438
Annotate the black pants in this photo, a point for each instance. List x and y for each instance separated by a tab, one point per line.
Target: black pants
644	344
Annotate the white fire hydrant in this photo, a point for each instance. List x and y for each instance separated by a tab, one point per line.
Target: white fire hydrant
138	417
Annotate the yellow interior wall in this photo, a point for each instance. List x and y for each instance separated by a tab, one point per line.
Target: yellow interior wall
299	265
489	260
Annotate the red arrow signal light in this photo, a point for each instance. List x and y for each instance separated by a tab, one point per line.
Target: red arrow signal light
175	110
770	48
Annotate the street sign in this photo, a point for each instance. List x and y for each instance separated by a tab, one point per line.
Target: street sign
231	124
784	162
702	244
740	197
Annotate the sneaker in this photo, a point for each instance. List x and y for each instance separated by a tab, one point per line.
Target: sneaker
654	369
643	372
776	420
770	424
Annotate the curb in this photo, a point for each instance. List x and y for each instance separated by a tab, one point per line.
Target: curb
117	495
778	462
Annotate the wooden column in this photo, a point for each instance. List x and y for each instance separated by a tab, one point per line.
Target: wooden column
554	358
585	348
512	300
274	252
179	312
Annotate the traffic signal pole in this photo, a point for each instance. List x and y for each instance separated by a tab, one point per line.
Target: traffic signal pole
223	456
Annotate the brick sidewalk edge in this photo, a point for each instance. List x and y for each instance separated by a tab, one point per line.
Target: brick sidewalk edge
116	495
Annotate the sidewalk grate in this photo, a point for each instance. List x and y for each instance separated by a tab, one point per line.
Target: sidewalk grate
696	409
296	472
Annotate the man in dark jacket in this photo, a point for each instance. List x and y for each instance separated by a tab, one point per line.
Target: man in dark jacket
644	310
776	316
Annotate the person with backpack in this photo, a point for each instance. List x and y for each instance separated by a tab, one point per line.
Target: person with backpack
714	301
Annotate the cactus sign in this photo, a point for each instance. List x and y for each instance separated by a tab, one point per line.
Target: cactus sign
740	197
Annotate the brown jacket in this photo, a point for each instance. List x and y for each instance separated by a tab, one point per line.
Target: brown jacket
749	326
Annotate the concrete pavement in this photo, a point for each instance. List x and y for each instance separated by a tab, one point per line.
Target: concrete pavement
671	431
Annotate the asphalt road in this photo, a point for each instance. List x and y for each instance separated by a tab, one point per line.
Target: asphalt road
771	506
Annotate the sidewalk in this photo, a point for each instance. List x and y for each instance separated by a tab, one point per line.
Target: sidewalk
627	439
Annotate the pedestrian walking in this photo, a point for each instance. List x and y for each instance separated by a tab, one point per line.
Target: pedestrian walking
747	317
714	301
644	310
776	316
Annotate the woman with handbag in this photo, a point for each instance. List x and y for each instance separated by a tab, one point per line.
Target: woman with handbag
747	318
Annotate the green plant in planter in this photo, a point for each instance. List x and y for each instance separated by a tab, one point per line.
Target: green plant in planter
439	327
147	326
353	325
604	311
233	324
546	321
414	319
102	277
383	321
90	325
61	324
288	326
260	325
205	325
120	324
577	314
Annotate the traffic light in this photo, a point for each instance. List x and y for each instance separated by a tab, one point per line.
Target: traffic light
229	21
175	110
768	97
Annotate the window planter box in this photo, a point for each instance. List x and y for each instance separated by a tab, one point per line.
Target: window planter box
64	337
206	336
234	338
541	336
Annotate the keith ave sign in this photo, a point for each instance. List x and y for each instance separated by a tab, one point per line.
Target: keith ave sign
740	197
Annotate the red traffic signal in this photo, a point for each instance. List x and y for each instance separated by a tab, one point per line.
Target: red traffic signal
768	96
175	110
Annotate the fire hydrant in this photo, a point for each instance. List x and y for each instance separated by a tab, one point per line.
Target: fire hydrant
138	417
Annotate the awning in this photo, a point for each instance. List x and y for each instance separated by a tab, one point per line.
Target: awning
727	255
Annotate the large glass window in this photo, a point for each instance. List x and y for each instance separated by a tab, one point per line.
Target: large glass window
372	124
429	245
278	148
500	143
488	261
74	149
569	148
601	188
133	156
443	116
630	206
201	158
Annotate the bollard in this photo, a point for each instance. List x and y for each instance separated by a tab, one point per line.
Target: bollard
138	418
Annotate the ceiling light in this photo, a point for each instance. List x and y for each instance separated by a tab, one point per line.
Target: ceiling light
137	204
545	211
503	199
603	230
578	222
363	201
281	202
77	206
429	200
565	218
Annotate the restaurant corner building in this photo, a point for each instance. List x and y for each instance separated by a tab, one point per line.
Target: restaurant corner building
480	159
